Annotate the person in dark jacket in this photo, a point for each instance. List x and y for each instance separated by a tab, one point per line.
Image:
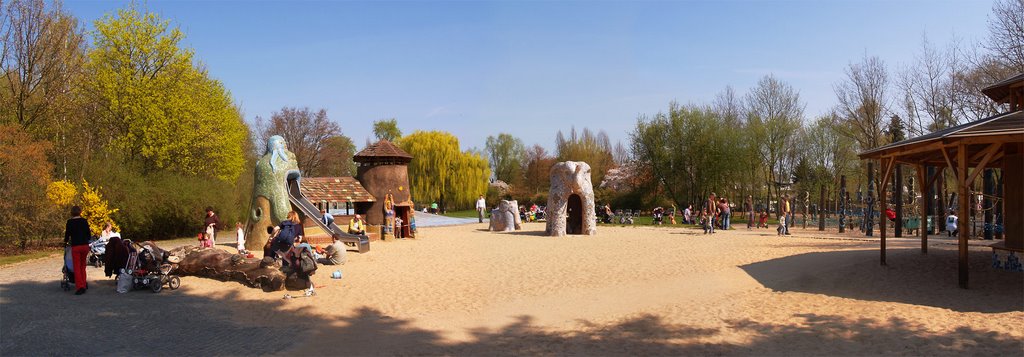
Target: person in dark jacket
211	224
76	234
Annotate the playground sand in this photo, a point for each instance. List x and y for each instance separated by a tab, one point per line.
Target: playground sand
631	291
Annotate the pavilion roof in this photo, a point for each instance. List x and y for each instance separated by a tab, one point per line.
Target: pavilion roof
927	149
1000	91
334	189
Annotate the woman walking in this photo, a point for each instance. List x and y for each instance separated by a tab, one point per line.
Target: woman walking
76	234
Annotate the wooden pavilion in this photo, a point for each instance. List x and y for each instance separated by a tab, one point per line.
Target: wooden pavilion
967	150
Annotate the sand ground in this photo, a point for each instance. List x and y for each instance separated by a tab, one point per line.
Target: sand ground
627	291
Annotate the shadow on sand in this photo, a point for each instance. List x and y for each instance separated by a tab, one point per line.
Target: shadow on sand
40	319
910	277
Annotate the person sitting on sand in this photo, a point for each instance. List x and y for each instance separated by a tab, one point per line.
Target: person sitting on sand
335	252
356	226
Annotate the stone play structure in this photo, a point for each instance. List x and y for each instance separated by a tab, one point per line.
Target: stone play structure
270	203
277	191
505	218
570	207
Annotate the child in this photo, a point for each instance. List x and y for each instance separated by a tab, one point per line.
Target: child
240	234
707	220
398	227
764	220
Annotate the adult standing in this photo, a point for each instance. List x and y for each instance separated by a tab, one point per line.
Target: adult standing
212	224
749	207
711	207
688	215
784	215
480	206
726	213
76	234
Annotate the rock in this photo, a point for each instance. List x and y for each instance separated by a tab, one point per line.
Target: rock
570	207
505	218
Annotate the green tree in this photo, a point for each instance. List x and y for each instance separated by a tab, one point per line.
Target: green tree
387	129
162	110
594	149
441	171
337	156
507	155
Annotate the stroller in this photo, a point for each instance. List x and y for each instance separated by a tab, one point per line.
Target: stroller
98	250
659	214
67	271
147	267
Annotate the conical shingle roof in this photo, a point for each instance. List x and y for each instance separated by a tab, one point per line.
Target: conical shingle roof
382	150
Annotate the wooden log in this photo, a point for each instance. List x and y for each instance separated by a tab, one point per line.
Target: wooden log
219	264
965	212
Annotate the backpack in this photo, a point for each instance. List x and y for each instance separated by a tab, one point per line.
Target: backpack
307	265
286	237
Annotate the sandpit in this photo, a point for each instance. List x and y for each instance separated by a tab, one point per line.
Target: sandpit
626	291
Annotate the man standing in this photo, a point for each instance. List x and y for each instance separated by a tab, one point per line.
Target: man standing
326	217
480	206
212	223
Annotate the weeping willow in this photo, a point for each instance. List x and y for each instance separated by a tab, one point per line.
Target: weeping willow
440	172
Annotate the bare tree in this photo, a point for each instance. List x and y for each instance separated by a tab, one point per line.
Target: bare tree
1006	33
304	132
775	115
863	102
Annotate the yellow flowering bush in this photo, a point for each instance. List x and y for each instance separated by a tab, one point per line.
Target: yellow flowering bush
61	193
95	209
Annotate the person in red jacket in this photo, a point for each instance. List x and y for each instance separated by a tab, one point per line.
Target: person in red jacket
76	234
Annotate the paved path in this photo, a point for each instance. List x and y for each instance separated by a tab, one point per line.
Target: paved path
433	220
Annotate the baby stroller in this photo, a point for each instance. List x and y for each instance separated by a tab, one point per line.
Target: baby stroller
98	250
67	271
147	267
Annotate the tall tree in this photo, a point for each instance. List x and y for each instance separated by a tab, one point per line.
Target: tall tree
537	171
160	110
387	129
775	115
43	51
304	132
1006	33
443	173
337	152
594	149
507	155
863	101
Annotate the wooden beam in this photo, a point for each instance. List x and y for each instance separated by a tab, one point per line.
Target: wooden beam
990	151
901	151
881	205
963	215
945	154
922	173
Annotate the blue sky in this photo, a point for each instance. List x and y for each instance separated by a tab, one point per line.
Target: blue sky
531	68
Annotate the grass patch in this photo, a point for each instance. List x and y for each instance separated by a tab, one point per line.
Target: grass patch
469	213
18	258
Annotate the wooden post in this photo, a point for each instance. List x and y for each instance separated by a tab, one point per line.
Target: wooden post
897	196
964	213
886	169
940	193
821	206
930	173
988	183
925	187
842	203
